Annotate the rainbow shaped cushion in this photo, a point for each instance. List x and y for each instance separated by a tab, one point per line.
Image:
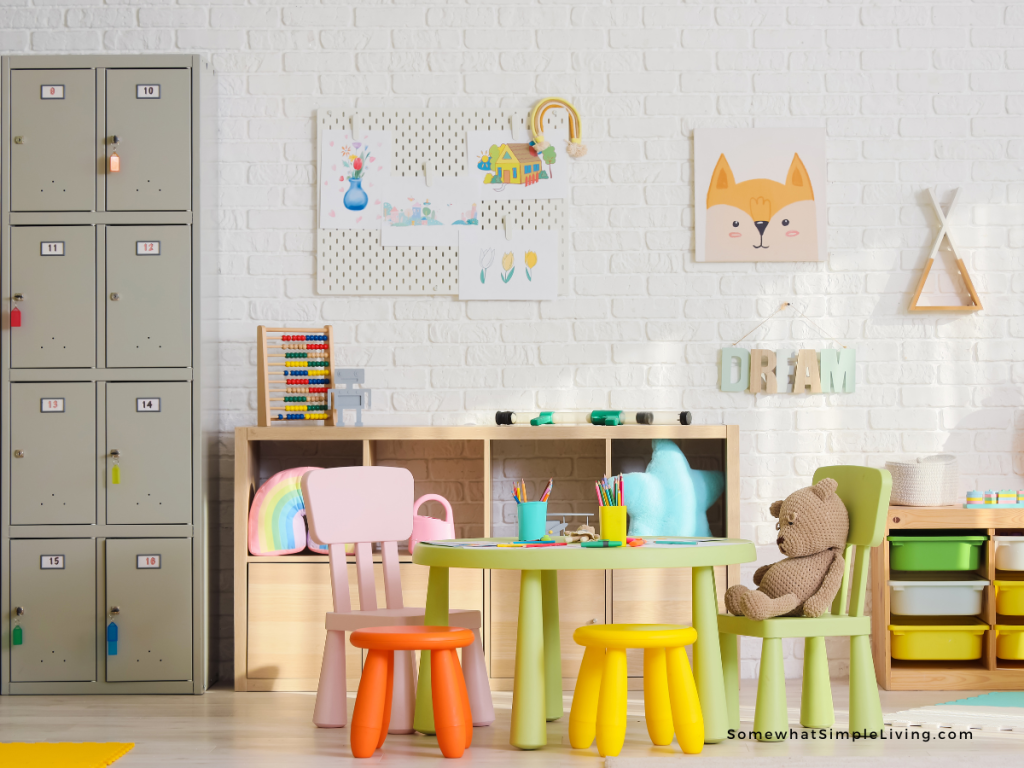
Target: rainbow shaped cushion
277	518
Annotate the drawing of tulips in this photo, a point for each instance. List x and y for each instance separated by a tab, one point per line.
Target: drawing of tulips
531	262
506	264
486	259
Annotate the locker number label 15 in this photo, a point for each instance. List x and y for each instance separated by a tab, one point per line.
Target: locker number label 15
147	247
147	561
51	405
51	562
147	91
51	92
147	405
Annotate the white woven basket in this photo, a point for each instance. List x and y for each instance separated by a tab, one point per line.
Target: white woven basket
932	481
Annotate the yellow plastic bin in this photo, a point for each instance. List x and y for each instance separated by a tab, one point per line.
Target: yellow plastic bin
946	638
1010	641
1009	597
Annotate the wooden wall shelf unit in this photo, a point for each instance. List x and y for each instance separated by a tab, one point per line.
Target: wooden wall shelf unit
280	602
987	674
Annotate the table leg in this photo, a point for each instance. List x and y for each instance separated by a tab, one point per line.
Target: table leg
435	614
552	647
529	730
707	656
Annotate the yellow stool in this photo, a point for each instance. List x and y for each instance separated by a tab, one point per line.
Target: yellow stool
670	694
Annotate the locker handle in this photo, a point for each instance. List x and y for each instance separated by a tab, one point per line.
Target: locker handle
18	297
19	611
19	454
19	139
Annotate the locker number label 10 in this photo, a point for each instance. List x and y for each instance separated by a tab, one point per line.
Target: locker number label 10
51	405
52	249
147	247
147	405
147	561
147	91
51	92
51	562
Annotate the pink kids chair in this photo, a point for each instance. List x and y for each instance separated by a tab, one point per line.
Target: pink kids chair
362	505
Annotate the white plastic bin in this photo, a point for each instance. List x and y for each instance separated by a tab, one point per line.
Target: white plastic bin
936	594
1010	553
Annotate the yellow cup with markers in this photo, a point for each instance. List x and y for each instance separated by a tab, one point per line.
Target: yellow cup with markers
613	523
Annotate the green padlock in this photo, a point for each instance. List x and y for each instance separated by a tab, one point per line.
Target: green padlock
16	636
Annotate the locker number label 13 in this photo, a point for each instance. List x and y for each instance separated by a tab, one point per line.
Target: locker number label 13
51	405
147	91
147	561
147	247
51	92
51	562
147	405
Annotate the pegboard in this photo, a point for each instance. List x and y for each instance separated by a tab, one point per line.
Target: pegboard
353	261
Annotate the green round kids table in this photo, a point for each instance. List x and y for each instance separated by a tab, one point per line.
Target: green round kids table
537	689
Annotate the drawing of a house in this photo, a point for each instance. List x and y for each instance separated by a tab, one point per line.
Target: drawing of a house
516	164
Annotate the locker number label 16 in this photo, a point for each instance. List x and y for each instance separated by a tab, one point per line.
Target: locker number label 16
147	91
147	247
147	561
147	405
51	92
51	562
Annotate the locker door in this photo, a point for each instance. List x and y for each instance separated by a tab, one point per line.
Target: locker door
54	268
149	581
53	152
149	297
53	459
150	111
54	581
149	424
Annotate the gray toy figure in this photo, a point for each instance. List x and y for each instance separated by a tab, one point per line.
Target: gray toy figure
346	396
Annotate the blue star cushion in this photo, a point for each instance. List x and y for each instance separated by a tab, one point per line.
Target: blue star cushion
670	498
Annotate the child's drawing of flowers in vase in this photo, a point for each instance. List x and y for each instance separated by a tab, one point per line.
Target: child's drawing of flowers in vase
354	161
506	264
486	259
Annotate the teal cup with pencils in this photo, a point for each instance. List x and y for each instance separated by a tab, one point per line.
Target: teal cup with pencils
533	516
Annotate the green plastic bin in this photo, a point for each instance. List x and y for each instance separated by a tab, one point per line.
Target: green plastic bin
935	553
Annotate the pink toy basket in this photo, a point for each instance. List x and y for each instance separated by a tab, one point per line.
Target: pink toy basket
430	528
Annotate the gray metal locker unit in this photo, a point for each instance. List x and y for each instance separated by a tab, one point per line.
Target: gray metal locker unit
106	386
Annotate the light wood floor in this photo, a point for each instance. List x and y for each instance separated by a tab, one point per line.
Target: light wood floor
224	728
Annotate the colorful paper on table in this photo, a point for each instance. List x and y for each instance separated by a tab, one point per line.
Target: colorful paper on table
65	755
508	169
353	176
521	268
415	214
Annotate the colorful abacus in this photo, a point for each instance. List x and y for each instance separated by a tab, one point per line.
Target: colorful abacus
295	371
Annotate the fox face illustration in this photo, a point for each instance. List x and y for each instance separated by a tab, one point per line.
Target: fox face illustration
761	219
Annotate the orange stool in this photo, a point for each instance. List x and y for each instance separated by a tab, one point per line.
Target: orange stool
453	721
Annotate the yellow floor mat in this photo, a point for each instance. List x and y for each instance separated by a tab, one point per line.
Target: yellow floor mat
87	755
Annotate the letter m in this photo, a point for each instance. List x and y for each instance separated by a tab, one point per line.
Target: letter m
838	370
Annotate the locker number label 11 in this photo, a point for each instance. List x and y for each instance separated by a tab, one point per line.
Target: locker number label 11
147	91
147	247
147	561
51	248
51	92
51	405
51	562
147	405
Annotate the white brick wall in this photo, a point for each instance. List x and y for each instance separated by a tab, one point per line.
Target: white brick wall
912	94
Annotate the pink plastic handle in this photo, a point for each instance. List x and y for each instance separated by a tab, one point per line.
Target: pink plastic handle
434	497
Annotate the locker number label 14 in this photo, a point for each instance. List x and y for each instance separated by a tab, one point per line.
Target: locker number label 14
147	247
147	91
147	405
147	561
51	562
51	92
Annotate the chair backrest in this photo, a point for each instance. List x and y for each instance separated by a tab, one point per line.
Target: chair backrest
361	506
865	493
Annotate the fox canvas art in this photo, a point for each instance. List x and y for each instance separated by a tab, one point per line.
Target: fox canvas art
754	213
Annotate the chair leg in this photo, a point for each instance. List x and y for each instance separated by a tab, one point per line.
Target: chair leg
611	704
771	721
449	722
467	710
474	668
865	706
731	671
583	715
369	712
816	709
331	694
687	718
657	706
389	691
403	703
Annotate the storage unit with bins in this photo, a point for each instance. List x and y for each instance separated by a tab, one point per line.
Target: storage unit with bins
948	600
102	525
281	601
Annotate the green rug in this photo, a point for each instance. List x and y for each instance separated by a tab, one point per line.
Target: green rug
997	699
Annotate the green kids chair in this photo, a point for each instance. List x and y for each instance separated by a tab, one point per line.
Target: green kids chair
865	492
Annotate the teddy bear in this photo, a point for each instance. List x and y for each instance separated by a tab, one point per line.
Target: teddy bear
813	524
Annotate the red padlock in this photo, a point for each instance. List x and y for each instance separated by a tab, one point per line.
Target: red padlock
15	318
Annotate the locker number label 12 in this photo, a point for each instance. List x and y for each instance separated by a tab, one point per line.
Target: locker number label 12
51	562
147	561
147	247
147	91
51	92
147	405
51	405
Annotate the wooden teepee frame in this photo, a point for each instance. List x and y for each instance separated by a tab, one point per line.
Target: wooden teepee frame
945	233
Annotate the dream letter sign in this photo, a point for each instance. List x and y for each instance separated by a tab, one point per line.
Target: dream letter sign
755	370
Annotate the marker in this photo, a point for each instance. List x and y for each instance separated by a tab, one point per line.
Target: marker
601	543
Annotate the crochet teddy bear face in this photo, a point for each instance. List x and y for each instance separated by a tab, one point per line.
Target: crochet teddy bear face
811	520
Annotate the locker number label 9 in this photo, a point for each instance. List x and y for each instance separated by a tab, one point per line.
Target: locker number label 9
147	91
147	247
147	561
52	249
51	92
51	405
147	405
51	562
